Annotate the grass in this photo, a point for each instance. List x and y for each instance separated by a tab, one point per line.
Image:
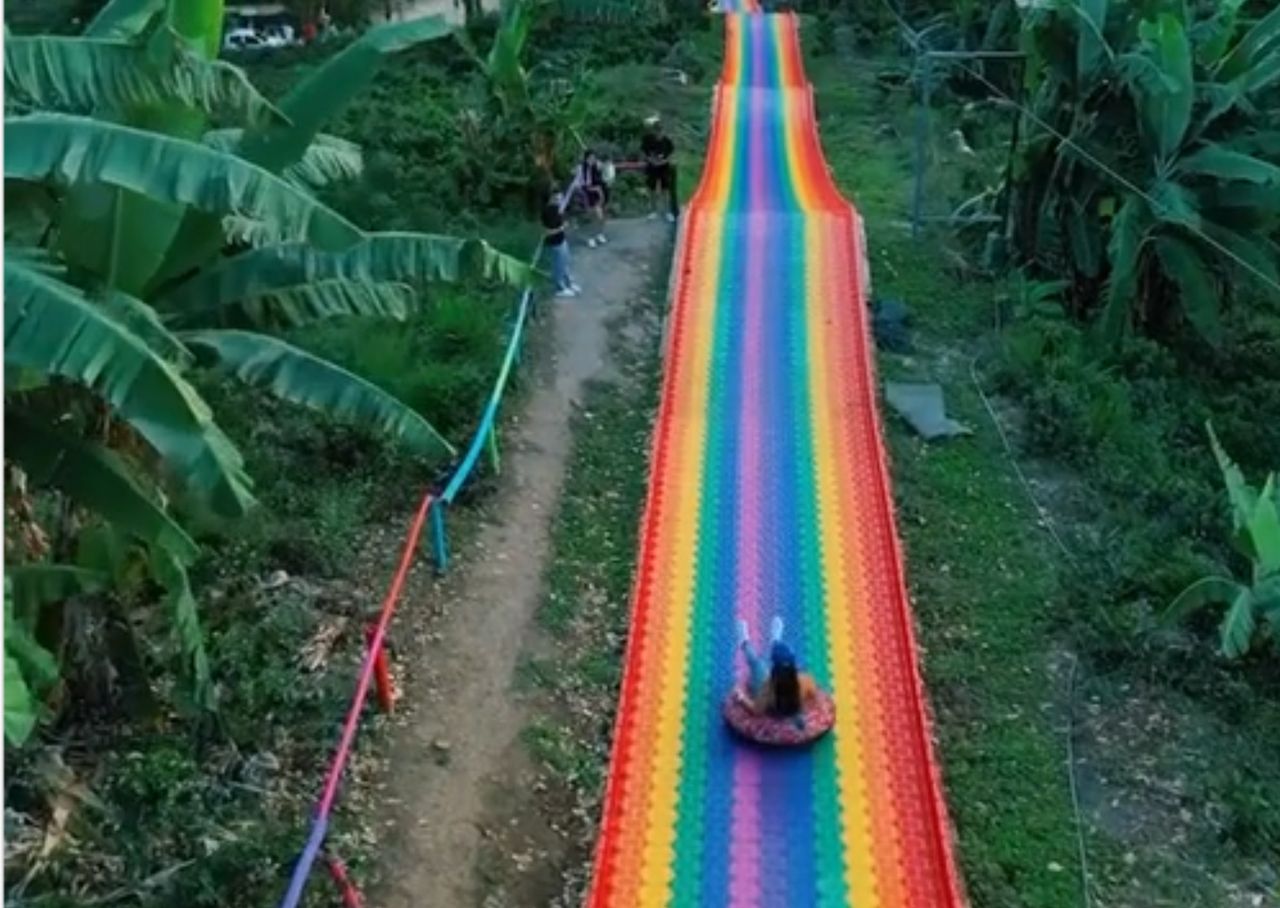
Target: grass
1003	613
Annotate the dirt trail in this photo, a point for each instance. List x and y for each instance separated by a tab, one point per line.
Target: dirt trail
462	738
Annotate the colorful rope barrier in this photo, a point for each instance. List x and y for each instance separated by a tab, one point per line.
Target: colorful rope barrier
486	432
375	666
769	494
320	819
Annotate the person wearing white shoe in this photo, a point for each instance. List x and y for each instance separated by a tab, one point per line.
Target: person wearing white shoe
594	192
775	688
557	246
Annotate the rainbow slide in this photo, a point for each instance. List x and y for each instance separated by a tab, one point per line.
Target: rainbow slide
769	494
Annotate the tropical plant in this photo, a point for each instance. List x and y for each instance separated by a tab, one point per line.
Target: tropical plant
1148	177
141	244
536	111
1253	606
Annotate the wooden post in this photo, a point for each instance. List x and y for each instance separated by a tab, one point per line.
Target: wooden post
382	675
494	457
350	895
438	538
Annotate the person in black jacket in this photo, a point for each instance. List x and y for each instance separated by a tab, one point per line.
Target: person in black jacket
659	170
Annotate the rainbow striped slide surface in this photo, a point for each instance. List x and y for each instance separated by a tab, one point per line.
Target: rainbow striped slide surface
769	495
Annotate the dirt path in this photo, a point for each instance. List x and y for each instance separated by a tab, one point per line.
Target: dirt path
462	739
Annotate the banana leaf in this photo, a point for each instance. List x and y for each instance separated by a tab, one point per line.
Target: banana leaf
410	258
328	159
37	585
84	75
1197	289
291	306
318	99
185	616
119	234
96	478
1128	236
124	19
1226	164
1166	113
52	328
71	150
295	375
1259	40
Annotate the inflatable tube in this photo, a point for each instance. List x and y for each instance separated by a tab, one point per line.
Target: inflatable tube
779	731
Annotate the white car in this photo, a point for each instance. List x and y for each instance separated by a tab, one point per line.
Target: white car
244	39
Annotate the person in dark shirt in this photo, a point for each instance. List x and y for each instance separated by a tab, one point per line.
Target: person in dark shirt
659	170
595	193
557	245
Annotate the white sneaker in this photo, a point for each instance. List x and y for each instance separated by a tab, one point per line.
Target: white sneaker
592	243
575	288
653	215
671	218
601	240
565	292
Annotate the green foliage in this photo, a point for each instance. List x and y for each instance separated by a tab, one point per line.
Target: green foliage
29	669
1253	612
294	375
107	417
69	151
97	478
1152	114
53	328
82	75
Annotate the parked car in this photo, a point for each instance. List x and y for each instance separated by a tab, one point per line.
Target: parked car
244	39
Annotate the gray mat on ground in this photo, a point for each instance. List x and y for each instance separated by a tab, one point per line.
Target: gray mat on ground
922	406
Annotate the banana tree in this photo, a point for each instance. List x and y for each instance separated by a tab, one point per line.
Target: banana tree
281	147
99	339
1253	607
1148	176
114	230
539	114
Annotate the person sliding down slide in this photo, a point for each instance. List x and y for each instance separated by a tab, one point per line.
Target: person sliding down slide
780	704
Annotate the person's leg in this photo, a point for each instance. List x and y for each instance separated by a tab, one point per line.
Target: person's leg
568	275
559	266
758	670
651	182
673	198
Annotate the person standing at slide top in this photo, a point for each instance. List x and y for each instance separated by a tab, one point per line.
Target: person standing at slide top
659	170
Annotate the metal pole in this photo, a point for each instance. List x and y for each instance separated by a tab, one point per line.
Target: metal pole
922	138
